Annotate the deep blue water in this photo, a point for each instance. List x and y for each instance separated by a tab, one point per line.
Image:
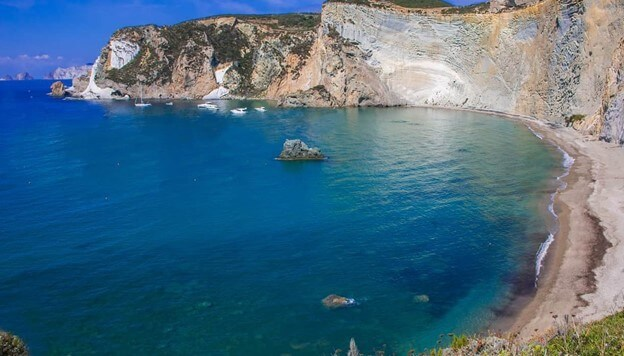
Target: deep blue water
170	230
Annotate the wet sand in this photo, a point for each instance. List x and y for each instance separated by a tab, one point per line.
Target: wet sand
582	273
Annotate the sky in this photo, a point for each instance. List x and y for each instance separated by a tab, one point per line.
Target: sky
39	35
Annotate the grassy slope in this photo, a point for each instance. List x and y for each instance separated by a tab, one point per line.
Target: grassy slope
604	337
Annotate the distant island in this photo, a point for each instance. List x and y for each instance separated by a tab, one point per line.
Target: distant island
59	73
69	72
18	76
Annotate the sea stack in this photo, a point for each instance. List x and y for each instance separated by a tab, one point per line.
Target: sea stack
297	150
58	89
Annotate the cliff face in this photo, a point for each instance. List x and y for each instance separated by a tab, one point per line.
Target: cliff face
549	60
211	56
611	114
554	60
286	57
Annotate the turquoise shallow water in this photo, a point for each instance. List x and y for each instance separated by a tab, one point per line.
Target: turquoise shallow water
170	230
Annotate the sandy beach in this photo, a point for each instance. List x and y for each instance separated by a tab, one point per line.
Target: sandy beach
582	272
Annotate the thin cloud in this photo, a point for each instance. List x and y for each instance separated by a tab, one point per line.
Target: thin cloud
28	58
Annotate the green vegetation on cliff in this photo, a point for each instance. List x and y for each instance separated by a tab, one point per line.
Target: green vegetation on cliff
482	7
604	337
188	47
289	22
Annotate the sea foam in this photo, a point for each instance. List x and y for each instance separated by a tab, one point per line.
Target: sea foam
567	162
535	132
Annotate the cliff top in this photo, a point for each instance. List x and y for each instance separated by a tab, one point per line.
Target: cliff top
428	6
284	22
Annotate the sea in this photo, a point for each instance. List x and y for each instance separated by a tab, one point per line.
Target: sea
173	230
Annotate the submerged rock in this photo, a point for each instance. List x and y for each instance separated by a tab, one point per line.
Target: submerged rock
334	301
58	89
295	150
423	298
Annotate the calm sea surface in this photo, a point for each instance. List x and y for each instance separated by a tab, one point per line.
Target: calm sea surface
170	230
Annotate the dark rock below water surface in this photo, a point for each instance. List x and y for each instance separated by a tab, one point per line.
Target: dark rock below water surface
297	150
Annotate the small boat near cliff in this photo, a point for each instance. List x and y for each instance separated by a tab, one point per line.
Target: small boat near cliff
121	98
261	109
141	104
239	111
210	106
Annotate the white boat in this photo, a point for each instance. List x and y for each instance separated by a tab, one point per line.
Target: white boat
239	111
210	106
141	104
121	98
261	109
169	104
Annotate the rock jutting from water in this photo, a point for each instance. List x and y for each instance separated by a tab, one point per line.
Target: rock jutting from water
58	89
334	301
297	150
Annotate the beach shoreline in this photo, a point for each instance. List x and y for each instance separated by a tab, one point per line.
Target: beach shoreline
580	274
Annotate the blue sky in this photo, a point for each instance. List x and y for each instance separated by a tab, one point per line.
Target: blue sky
40	35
